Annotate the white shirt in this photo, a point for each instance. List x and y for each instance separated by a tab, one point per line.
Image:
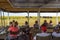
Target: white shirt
42	35
56	34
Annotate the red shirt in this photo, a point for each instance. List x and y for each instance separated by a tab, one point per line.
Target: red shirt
44	28
13	29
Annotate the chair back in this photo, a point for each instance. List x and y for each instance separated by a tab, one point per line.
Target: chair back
56	38
43	38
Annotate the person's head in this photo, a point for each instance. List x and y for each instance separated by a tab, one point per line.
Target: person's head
50	21
36	22
58	22
16	23
13	21
10	23
26	22
45	21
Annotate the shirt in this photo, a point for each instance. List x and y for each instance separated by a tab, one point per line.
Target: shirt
43	28
56	34
36	25
13	31
41	34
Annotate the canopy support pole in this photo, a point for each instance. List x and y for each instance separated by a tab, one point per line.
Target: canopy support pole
57	17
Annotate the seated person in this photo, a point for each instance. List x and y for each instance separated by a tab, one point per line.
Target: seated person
36	25
43	27
17	24
10	24
50	24
45	23
23	36
58	25
26	25
56	33
13	31
26	28
42	34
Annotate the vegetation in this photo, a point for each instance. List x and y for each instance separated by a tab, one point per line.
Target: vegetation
22	19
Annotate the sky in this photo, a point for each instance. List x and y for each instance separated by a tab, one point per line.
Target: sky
31	14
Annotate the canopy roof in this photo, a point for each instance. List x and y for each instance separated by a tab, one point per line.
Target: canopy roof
30	5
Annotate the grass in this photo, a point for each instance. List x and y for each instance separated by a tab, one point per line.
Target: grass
22	19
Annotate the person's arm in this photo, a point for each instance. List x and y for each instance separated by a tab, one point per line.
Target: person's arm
8	30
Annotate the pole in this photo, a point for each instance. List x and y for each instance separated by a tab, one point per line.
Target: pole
57	13
8	18
38	14
57	17
28	16
3	19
